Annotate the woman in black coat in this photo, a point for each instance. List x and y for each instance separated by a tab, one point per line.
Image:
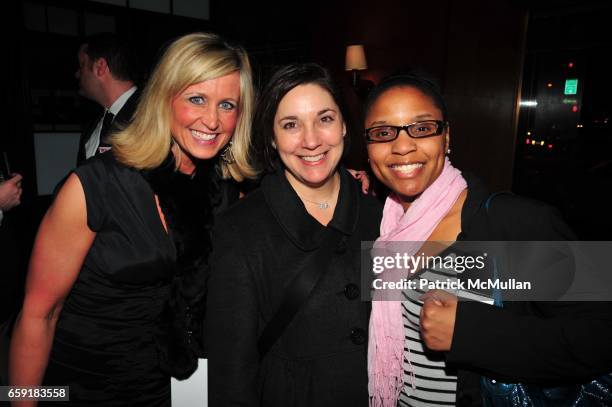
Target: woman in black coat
308	218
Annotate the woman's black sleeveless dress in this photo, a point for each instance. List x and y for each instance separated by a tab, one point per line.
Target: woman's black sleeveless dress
106	346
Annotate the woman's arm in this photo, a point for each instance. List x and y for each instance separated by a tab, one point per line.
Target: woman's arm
61	245
573	345
526	341
232	318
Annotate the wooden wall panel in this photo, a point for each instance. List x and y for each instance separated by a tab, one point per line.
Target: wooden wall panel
485	54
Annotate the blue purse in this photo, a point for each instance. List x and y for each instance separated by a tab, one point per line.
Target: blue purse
597	392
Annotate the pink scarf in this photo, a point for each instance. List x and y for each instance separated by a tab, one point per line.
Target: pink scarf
386	337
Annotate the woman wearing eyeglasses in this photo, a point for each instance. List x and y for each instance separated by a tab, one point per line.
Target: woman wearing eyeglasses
423	349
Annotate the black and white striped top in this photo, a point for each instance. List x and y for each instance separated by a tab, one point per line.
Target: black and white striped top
436	385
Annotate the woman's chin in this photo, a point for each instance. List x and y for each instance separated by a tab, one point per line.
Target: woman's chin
205	152
407	191
314	180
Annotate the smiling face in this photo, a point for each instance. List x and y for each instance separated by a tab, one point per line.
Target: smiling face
204	117
309	135
406	165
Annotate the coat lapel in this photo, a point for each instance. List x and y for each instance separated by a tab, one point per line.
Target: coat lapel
301	228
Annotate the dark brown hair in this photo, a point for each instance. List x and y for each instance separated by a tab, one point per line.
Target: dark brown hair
282	81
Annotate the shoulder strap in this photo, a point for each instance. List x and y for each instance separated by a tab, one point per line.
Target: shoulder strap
299	290
487	203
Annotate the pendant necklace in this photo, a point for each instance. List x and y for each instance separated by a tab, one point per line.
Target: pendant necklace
323	204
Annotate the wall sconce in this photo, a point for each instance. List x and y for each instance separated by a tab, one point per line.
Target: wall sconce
355	61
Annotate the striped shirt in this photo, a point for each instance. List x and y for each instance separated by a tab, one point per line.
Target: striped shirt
436	385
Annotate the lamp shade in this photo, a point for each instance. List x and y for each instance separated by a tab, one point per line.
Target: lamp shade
355	58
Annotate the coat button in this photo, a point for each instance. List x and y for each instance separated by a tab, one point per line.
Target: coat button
351	291
358	336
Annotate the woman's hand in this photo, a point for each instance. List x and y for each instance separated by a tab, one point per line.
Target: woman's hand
438	319
10	192
362	177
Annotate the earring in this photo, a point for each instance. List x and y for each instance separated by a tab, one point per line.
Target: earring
448	151
227	155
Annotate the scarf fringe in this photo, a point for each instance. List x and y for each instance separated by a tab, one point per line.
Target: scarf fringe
386	336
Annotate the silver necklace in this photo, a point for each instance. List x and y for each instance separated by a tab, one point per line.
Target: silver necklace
321	205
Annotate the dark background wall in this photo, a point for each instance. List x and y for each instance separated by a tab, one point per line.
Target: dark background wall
475	51
483	74
481	51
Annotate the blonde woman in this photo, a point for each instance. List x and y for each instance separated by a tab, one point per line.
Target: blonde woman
113	303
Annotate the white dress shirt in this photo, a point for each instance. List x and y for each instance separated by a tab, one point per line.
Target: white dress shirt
94	141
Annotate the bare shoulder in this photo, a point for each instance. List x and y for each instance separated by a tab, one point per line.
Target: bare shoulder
70	201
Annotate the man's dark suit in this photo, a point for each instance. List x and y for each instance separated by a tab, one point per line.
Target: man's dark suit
121	119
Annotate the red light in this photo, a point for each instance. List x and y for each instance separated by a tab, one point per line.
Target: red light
527	141
574	108
570	65
550	146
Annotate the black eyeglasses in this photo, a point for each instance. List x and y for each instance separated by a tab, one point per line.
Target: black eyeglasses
422	129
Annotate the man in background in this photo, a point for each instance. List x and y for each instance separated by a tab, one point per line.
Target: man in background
107	76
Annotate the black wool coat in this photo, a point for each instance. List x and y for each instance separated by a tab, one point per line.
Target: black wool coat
258	245
546	343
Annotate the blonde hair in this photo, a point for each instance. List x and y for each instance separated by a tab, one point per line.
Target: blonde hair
193	58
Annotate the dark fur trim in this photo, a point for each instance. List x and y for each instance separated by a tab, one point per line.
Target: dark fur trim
187	204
